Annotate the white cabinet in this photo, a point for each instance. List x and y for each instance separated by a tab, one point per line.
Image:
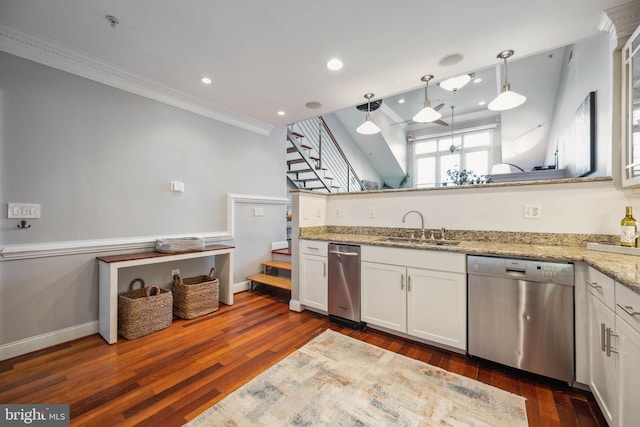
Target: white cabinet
313	274
601	366
630	110
383	295
628	351
437	309
420	293
614	348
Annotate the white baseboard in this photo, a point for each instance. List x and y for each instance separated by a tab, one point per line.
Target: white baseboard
18	348
240	286
294	305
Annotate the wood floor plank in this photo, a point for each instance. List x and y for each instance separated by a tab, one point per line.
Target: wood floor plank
169	377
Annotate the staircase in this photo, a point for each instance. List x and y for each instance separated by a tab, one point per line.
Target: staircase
276	273
315	161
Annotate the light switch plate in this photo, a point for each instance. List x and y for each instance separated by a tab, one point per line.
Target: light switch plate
177	187
23	210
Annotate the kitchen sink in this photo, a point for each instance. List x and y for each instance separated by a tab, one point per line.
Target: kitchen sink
414	241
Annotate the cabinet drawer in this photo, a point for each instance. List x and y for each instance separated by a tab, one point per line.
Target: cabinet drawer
601	286
628	302
313	247
418	258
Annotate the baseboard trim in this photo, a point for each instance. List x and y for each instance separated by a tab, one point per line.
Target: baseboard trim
294	305
240	286
28	345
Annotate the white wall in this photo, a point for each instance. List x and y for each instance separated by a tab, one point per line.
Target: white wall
581	76
99	160
588	207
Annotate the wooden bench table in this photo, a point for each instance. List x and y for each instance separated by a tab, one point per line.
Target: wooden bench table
108	279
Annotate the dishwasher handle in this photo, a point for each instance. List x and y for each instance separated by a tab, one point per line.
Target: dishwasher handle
344	253
512	272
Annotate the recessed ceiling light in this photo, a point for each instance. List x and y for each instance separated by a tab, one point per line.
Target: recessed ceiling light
206	80
451	59
477	80
334	64
313	104
401	101
481	103
281	113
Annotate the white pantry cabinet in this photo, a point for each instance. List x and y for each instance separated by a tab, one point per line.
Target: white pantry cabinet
417	292
313	274
614	348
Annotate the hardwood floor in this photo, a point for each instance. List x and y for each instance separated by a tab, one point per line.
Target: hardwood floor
168	378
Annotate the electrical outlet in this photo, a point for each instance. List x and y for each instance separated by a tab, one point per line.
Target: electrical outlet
318	213
372	212
337	212
258	212
174	272
532	212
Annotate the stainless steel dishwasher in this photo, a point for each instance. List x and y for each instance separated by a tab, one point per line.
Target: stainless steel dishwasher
344	285
521	314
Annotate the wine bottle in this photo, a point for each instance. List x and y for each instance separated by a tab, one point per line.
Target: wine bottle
628	229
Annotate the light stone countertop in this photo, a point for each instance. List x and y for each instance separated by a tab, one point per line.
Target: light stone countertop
623	268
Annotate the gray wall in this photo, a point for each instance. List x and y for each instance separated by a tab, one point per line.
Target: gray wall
579	77
99	160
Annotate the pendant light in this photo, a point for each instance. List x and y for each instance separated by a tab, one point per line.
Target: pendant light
453	148
368	127
427	114
507	99
455	83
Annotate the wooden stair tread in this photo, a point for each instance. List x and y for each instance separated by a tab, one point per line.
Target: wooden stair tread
300	171
283	251
297	135
278	264
275	281
294	161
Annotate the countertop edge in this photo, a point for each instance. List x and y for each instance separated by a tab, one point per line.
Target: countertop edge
612	265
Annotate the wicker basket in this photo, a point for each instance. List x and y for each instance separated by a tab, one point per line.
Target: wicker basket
195	296
140	313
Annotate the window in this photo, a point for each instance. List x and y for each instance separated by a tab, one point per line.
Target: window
471	150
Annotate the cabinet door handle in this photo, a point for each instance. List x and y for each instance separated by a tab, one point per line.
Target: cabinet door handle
324	269
409	283
401	281
603	337
609	349
594	285
629	310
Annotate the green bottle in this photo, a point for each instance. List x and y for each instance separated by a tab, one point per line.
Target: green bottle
628	229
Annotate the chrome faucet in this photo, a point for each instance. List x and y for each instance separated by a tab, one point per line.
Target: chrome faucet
422	237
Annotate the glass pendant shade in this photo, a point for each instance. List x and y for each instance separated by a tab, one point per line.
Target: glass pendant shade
368	127
455	83
427	114
507	100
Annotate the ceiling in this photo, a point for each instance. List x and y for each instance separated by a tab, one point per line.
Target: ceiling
265	57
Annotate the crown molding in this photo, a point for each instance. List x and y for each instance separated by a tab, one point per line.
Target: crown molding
56	56
621	21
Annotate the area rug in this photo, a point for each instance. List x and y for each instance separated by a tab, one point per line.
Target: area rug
335	380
